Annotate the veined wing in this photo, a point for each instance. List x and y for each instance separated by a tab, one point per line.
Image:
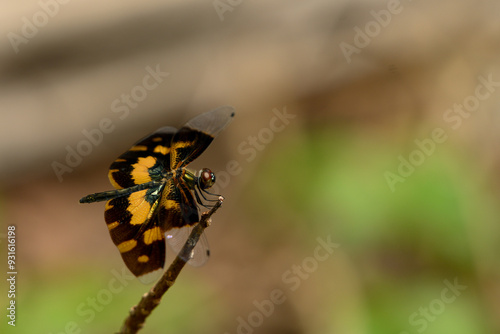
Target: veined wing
179	212
176	238
134	228
145	161
194	137
178	207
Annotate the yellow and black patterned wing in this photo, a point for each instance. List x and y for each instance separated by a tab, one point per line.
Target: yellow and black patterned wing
145	161
194	137
135	229
178	207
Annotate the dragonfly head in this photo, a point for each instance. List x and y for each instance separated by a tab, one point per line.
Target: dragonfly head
206	179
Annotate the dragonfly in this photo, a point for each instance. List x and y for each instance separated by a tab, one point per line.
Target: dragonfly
156	198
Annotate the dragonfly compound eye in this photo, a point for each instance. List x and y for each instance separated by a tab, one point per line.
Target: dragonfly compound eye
207	178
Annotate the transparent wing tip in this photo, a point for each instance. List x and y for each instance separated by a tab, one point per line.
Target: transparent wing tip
151	276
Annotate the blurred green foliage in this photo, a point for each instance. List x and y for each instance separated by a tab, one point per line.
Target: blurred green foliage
72	300
404	244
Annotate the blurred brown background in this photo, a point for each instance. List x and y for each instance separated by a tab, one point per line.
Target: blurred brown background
361	82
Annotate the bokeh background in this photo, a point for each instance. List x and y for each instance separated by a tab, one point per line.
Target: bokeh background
353	117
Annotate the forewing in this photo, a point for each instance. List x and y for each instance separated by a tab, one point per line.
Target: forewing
194	137
144	161
134	228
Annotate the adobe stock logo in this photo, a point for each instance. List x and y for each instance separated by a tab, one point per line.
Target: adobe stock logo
292	278
222	6
253	144
427	314
94	304
120	106
31	26
373	28
428	146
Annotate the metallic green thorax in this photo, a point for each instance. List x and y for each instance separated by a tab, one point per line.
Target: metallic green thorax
189	177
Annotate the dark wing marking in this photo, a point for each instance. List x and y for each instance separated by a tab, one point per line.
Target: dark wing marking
178	207
194	137
134	229
179	218
145	161
189	208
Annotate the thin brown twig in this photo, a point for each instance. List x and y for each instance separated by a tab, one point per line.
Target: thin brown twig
138	314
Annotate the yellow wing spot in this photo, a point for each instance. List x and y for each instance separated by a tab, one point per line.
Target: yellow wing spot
137	197
157	139
127	246
140	172
162	149
139	148
107	206
152	235
112	179
152	210
147	162
182	144
120	160
143	258
171	204
113	225
138	207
